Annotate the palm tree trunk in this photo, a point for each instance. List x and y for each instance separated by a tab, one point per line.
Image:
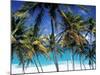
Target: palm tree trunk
53	47
55	60
80	61
23	67
91	49
95	65
39	62
67	62
92	65
84	65
67	65
36	65
73	64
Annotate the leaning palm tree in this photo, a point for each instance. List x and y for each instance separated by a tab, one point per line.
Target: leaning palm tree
71	35
90	56
16	31
91	33
33	6
33	46
21	44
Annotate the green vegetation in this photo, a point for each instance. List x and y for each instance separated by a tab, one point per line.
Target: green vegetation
28	43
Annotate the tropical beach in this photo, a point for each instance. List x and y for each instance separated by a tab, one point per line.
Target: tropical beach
48	68
49	37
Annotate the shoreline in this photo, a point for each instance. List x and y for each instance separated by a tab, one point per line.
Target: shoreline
48	68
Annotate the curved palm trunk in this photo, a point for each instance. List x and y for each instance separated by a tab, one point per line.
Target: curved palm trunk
39	62
55	60
80	61
36	65
83	65
67	62
54	48
23	67
73	64
67	65
92	47
92	65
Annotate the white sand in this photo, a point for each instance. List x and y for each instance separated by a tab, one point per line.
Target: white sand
48	68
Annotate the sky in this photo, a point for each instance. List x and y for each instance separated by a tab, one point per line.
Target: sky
46	28
46	20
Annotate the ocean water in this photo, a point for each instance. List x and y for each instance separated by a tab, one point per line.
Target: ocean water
47	64
66	56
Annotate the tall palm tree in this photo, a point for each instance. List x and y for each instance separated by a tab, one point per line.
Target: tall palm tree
16	31
91	54
71	35
33	6
33	46
21	41
91	32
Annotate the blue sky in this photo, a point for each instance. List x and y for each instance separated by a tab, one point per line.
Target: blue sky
46	19
46	27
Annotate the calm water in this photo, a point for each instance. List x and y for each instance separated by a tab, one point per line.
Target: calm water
48	61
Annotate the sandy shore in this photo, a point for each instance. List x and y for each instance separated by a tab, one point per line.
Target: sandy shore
47	68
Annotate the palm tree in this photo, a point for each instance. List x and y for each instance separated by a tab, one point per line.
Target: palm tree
41	6
91	54
21	41
91	57
71	35
17	30
91	32
33	46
